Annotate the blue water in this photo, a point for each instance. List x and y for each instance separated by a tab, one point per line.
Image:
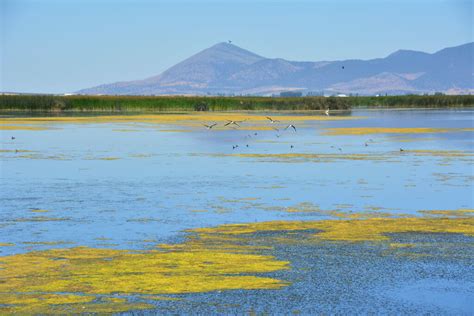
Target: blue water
161	178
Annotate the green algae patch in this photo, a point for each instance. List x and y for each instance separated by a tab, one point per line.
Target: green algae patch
93	272
39	211
15	151
188	118
305	157
441	153
226	257
463	213
355	230
46	243
40	219
389	130
21	128
108	158
61	304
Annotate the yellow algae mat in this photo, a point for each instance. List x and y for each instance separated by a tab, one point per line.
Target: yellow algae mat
246	121
227	257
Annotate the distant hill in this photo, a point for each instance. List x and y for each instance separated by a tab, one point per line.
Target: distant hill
228	69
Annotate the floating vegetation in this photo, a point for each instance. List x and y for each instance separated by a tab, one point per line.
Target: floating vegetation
104	272
172	119
6	244
306	157
226	257
140	155
144	220
389	130
39	211
441	153
46	243
29	303
370	229
40	219
126	130
21	128
462	213
15	151
199	211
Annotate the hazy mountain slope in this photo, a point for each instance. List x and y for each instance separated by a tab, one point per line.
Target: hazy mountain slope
226	68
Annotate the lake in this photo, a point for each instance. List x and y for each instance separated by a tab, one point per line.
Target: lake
364	211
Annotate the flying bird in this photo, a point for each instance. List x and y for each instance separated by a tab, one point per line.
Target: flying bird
327	112
13	138
209	126
272	120
292	126
235	146
232	123
230	42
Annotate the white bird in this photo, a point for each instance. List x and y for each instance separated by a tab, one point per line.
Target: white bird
292	126
327	112
272	120
232	122
209	126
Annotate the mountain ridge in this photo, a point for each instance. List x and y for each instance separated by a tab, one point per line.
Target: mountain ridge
225	68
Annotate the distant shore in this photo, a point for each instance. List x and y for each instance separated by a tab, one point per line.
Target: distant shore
127	104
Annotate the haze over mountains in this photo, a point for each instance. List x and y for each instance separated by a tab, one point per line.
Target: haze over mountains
228	69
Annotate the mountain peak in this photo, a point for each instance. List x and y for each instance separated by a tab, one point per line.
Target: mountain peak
405	53
229	50
227	68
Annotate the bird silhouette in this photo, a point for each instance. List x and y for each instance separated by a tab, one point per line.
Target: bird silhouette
292	126
232	123
272	120
209	126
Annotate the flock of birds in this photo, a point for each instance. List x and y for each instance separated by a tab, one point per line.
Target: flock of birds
236	124
273	121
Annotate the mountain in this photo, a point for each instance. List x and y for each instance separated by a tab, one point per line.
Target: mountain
228	69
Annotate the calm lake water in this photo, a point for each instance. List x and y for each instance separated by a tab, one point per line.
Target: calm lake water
127	185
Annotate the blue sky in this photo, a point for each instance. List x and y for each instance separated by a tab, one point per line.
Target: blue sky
57	46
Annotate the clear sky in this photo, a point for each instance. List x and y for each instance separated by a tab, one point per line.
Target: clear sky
57	46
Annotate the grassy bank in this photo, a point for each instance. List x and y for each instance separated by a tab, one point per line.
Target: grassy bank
50	103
